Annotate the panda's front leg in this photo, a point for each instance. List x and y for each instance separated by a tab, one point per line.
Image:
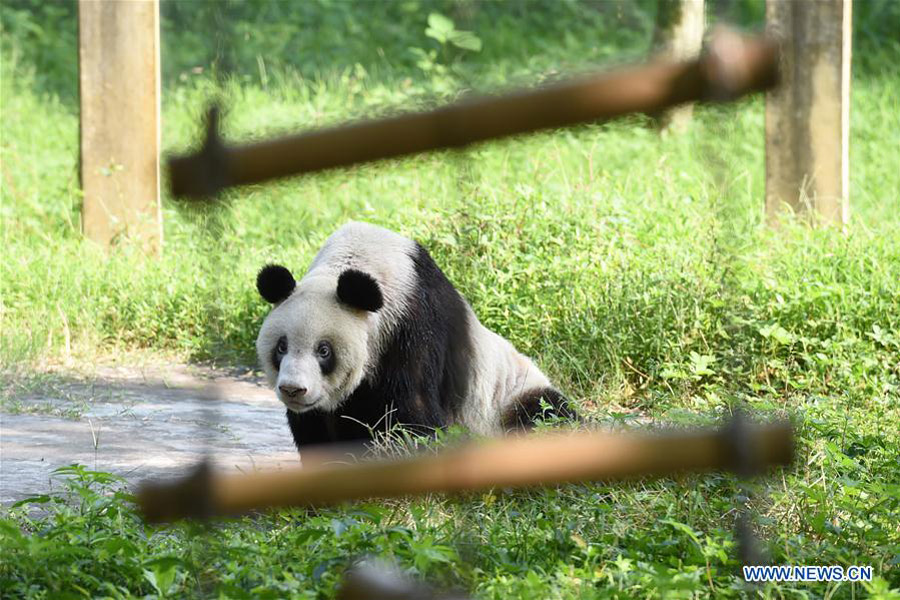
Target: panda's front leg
311	428
319	428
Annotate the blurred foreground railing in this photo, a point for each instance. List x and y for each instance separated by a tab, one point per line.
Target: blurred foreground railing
731	66
520	461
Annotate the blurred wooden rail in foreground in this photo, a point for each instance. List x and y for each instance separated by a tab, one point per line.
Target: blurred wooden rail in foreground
731	66
538	459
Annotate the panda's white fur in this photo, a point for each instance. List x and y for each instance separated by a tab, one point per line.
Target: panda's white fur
417	322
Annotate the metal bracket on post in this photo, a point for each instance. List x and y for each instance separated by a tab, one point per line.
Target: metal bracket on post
746	465
204	174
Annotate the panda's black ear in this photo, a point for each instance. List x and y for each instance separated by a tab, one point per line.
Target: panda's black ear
275	283
359	290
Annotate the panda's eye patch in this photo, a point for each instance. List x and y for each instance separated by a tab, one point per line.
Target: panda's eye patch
279	351
325	356
323	350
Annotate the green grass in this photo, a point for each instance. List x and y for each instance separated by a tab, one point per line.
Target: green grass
636	271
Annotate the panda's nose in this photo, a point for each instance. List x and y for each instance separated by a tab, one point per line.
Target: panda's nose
292	391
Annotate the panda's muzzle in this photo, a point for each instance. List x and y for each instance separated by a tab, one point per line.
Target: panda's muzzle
292	391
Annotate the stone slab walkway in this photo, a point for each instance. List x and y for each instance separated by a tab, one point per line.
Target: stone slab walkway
137	423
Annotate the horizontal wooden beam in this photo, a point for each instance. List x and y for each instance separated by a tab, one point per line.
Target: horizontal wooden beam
732	66
512	462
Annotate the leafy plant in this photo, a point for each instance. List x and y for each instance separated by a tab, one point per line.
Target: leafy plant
439	64
443	30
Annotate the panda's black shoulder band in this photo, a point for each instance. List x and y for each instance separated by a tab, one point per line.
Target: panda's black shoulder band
359	290
275	283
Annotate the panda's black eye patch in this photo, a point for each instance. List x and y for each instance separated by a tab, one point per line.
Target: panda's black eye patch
279	351
325	356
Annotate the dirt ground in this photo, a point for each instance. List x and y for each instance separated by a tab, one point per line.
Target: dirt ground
138	423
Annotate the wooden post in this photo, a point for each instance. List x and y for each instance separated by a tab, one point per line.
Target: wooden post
808	116
678	36
118	57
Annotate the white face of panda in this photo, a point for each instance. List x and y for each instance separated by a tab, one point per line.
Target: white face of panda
313	346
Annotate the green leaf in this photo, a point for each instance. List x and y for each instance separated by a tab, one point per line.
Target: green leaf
150	576
34	500
162	572
684	528
777	333
466	40
700	363
440	24
308	535
440	37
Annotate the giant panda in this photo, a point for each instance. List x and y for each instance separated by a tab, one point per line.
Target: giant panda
376	335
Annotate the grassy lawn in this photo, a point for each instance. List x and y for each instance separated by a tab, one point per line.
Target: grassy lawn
635	270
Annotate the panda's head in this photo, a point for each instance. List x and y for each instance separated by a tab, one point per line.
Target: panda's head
314	345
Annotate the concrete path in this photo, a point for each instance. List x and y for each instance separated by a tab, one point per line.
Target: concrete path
137	423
